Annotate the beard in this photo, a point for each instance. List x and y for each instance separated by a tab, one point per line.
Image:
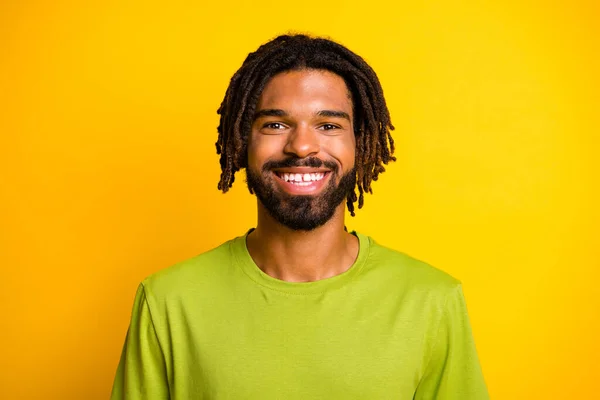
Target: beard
300	212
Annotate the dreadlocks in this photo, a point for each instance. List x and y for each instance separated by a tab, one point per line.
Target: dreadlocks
374	143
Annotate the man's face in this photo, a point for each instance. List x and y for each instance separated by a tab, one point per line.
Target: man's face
301	149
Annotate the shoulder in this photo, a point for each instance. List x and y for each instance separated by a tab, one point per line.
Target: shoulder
408	271
202	271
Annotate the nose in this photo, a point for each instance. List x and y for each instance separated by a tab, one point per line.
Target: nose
302	142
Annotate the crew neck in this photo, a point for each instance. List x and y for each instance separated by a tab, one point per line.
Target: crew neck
246	263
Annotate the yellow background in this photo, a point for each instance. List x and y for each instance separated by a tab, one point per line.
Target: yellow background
108	170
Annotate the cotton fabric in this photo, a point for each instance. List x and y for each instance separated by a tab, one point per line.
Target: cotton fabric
217	327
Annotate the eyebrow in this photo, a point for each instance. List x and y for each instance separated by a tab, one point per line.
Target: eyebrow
334	114
270	112
275	112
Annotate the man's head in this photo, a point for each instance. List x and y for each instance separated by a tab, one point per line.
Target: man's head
309	109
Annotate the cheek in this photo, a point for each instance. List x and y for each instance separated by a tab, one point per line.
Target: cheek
262	148
344	150
352	151
251	152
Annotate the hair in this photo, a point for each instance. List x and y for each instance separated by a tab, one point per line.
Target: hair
372	123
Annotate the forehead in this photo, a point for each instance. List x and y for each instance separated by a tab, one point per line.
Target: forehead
306	90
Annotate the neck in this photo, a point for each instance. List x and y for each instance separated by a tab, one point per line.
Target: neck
302	256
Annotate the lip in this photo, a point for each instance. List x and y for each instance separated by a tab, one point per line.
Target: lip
313	188
301	170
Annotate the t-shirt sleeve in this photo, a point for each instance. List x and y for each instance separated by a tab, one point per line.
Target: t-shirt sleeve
141	373
453	371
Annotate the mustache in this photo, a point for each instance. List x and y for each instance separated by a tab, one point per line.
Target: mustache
312	162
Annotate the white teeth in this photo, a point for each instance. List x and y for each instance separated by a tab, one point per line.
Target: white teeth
302	179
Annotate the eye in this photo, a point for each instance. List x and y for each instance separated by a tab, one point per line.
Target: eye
329	127
274	125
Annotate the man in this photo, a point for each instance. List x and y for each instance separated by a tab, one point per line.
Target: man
298	308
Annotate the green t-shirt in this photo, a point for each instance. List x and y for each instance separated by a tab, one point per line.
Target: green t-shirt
217	327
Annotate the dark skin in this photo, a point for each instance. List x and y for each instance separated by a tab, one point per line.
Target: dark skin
300	114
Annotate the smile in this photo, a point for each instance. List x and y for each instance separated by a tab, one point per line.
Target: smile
301	179
299	182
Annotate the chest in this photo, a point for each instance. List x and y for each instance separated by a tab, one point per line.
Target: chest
313	348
